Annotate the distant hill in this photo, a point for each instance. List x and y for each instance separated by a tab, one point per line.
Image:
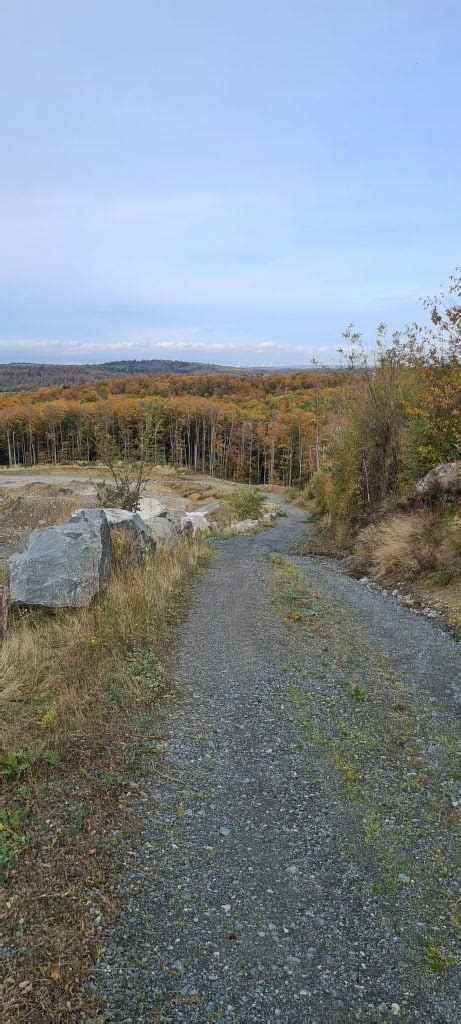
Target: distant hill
25	376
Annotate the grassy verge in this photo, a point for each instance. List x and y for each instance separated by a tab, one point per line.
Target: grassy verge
77	694
416	550
393	755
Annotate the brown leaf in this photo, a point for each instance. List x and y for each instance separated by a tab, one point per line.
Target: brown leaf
55	972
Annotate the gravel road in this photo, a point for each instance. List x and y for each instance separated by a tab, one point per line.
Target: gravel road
304	870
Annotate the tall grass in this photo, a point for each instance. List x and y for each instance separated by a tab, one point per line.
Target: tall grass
78	725
56	670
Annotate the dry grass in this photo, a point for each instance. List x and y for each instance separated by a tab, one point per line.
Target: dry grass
78	725
56	665
403	547
419	549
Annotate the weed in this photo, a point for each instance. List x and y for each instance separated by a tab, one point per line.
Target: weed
49	718
13	764
371	827
349	771
11	841
436	957
358	692
51	757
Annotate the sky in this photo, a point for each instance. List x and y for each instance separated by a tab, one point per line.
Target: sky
231	181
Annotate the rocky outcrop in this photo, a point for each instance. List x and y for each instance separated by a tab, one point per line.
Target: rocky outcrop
63	566
162	532
443	479
131	525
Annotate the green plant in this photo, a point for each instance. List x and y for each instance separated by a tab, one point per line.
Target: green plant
358	692
51	757
129	475
246	502
11	841
13	764
436	957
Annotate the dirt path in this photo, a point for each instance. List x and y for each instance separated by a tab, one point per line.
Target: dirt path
303	873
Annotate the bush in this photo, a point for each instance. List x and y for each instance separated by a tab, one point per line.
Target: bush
246	503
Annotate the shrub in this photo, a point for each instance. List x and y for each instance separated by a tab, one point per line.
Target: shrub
246	503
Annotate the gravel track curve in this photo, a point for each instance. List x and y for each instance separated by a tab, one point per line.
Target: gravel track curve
302	871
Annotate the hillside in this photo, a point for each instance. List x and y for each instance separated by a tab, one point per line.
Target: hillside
25	376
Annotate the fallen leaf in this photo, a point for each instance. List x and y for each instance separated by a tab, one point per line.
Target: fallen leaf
55	972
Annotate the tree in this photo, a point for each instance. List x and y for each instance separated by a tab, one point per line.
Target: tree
129	475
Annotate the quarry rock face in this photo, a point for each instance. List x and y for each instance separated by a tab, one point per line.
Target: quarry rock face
131	525
443	479
64	566
162	532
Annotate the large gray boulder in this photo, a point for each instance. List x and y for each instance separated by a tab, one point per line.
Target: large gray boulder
194	522
162	532
131	525
150	508
64	566
443	479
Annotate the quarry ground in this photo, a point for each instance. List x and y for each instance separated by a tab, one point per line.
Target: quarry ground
292	851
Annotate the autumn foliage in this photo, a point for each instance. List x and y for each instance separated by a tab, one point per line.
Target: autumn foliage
255	429
358	437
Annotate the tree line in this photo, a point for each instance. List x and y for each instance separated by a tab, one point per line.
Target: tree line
359	436
256	429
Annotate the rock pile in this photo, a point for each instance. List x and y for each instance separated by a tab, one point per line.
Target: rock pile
67	566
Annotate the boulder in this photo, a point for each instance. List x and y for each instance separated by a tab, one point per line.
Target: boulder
244	526
162	532
64	566
194	522
150	508
443	479
174	518
130	524
184	526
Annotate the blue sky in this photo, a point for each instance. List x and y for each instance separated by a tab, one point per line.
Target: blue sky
224	181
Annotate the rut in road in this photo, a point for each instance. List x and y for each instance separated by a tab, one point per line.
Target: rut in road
304	873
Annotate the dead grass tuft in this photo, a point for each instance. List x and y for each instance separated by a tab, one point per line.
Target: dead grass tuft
405	547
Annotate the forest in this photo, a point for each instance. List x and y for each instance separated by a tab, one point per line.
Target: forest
257	429
357	437
24	376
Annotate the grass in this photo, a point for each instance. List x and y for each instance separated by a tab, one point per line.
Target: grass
392	756
78	698
438	959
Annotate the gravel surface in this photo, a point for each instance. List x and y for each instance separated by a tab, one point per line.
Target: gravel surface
303	872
